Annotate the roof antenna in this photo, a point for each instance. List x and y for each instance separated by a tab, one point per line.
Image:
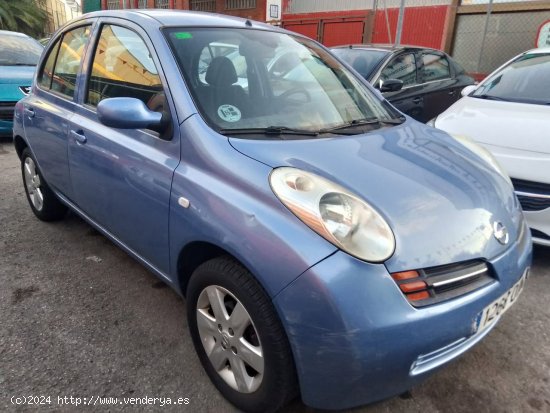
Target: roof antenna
248	23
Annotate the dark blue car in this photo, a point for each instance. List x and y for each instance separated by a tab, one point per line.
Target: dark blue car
326	244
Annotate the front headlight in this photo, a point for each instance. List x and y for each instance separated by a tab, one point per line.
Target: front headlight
334	213
483	154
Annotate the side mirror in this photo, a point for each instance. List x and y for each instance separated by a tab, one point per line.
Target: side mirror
128	113
468	89
390	85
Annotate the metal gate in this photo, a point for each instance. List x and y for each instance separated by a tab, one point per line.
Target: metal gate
331	31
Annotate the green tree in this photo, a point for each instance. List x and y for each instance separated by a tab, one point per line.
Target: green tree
26	16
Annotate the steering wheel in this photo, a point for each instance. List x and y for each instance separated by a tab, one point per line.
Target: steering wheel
295	91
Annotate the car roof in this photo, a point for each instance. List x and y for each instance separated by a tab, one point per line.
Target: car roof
180	18
384	47
10	33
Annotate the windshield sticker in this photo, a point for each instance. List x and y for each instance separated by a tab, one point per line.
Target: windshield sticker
229	113
183	35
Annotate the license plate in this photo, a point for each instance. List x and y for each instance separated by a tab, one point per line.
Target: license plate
498	307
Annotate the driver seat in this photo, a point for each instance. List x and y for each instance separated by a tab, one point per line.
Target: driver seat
221	77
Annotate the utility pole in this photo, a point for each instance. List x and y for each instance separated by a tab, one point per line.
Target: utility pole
400	23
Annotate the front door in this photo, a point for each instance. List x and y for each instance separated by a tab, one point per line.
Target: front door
122	177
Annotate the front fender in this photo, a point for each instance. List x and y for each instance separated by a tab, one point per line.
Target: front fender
232	206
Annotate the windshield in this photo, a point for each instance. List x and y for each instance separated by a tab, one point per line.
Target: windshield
525	80
19	51
253	79
364	61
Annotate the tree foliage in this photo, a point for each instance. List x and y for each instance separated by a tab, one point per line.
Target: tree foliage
26	16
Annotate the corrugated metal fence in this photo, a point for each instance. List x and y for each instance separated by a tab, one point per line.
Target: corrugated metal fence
480	34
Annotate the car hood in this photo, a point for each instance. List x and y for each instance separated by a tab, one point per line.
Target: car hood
440	199
510	125
19	75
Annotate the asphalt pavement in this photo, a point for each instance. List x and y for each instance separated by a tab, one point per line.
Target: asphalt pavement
80	318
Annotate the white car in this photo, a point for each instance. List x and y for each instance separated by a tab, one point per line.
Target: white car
509	114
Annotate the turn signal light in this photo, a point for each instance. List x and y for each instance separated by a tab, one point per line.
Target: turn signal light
422	295
412	285
405	275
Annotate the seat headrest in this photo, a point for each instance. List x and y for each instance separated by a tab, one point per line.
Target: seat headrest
221	72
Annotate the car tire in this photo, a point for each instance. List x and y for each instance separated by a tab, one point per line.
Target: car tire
223	345
43	202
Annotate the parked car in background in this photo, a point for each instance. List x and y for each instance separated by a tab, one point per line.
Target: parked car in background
509	114
326	244
19	55
419	81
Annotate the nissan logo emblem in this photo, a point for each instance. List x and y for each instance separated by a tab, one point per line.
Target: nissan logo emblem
501	233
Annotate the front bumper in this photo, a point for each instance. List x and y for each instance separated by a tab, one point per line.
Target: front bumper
356	339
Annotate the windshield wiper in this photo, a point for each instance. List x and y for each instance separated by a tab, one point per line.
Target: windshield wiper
394	121
362	122
270	130
490	97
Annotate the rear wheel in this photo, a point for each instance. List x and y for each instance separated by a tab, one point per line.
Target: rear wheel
239	338
42	200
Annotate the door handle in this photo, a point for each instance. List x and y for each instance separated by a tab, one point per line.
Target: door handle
79	136
417	100
452	93
29	112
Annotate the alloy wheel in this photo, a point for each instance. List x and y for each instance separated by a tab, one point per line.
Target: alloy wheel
33	184
230	339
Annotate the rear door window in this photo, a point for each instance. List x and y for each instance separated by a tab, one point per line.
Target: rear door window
46	75
67	63
435	67
402	67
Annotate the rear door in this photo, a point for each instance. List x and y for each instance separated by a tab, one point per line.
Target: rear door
122	177
51	105
439	87
404	67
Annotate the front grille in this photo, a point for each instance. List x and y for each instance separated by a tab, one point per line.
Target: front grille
436	284
531	187
6	110
8	115
533	196
529	203
539	234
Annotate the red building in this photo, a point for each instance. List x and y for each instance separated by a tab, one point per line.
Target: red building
261	10
480	34
366	21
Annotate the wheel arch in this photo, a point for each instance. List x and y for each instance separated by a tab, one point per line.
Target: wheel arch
193	255
20	145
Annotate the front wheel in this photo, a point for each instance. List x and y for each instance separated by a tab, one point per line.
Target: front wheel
42	200
239	338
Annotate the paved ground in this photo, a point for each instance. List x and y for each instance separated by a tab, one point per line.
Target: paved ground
79	318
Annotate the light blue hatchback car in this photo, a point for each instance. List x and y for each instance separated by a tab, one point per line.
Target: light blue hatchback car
326	244
19	55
